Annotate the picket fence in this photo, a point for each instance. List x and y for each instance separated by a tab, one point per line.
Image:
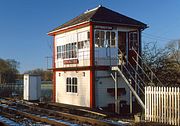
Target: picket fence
162	104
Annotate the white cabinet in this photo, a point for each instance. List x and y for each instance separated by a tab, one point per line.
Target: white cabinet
32	87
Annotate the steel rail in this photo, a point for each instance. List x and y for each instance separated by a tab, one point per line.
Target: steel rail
31	111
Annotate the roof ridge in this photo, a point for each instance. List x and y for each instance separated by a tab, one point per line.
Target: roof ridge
102	14
93	9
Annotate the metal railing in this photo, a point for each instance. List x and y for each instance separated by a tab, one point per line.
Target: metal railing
136	73
152	74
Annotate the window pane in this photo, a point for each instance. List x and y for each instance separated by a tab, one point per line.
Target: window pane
58	55
97	39
64	51
133	40
113	38
74	85
68	84
75	81
108	38
67	88
88	35
75	89
72	88
86	44
69	81
82	44
57	48
66	80
101	44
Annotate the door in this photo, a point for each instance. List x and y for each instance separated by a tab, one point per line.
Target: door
122	41
133	47
122	47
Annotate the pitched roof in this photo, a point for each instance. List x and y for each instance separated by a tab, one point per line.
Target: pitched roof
102	15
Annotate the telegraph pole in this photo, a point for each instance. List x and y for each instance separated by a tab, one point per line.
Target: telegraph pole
47	60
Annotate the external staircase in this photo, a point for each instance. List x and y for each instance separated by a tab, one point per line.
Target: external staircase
136	76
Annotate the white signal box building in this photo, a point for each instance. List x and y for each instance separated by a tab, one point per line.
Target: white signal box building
86	49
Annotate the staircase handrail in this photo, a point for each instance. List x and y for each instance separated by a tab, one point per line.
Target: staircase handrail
137	74
147	66
139	66
134	79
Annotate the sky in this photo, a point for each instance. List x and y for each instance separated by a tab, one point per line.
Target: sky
24	24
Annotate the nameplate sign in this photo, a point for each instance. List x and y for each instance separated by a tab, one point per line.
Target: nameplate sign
71	61
103	27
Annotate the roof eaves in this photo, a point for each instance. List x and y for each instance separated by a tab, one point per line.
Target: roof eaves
89	20
142	26
54	31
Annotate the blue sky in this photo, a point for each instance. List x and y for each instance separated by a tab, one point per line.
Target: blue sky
24	24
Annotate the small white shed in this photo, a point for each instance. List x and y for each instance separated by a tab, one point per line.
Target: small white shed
32	87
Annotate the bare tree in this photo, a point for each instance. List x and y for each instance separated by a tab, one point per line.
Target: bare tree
8	70
46	75
165	62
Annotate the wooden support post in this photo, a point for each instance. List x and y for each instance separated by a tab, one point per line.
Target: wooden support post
116	93
131	100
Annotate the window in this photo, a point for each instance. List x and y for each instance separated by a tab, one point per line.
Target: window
99	38
71	84
133	40
63	53
69	50
73	50
68	84
58	51
105	39
74	85
80	45
86	44
113	39
88	35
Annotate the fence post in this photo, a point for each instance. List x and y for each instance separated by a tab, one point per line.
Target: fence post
178	112
159	101
150	102
146	103
165	104
159	104
175	106
162	104
173	112
155	103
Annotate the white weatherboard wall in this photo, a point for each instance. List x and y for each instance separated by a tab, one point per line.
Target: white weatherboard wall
72	37
32	87
103	81
82	97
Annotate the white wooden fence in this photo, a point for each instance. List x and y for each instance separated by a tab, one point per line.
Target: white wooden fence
162	104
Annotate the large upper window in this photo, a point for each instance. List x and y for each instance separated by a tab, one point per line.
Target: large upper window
75	42
105	39
71	84
67	51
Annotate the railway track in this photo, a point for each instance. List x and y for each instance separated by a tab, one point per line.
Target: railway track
51	114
